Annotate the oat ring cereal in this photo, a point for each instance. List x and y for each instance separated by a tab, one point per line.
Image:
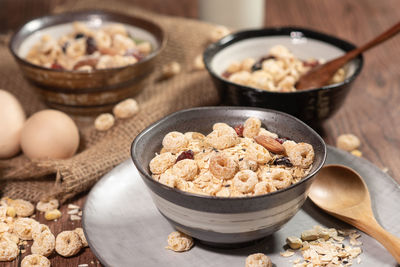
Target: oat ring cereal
258	260
44	244
22	207
44	206
240	161
8	250
223	166
38	229
68	243
23	227
245	181
35	260
174	141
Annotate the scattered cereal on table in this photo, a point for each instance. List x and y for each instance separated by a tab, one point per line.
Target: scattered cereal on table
44	206
22	207
52	215
38	229
171	69
23	227
218	33
199	63
126	109
104	122
179	242
72	206
356	153
79	231
348	142
68	243
44	244
258	260
287	253
294	242
75	217
35	260
8	250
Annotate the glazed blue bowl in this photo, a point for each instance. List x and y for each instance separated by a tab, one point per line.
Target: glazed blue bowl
311	106
218	220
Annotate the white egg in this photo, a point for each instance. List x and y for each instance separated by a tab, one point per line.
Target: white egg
12	118
49	134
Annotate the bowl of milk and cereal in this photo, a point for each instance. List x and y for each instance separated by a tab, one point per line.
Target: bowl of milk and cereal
228	175
260	68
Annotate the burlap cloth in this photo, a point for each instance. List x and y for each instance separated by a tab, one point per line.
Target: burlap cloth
99	152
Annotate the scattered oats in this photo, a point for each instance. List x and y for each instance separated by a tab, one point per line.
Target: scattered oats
348	142
287	253
80	213
309	235
179	242
75	217
298	260
199	63
83	265
358	260
72	206
74	211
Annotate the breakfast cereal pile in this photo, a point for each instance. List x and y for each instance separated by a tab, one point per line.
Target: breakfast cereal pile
18	226
277	72
320	246
86	49
247	160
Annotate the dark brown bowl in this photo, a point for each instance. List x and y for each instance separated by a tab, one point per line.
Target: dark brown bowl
311	106
87	92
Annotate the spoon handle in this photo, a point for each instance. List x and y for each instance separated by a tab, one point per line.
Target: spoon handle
373	228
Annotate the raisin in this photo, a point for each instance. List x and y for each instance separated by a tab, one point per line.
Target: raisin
283	161
79	35
282	140
227	185
239	130
64	47
134	53
91	46
188	154
258	64
226	74
56	66
311	64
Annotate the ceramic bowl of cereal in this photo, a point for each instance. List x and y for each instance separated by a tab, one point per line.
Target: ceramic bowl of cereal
261	67
228	175
86	61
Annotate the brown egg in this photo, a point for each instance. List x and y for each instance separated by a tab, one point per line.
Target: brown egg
12	118
49	134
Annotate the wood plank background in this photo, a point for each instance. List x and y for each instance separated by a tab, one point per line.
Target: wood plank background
371	111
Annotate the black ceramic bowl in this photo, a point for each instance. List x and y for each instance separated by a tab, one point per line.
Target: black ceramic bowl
86	92
312	106
225	220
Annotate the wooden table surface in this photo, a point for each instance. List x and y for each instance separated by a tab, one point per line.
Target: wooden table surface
371	111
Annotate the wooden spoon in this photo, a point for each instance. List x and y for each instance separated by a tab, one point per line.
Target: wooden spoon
342	192
322	74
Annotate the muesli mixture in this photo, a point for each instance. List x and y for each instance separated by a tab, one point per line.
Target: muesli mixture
277	72
246	160
86	49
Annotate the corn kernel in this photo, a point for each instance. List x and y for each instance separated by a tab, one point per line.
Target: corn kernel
52	215
356	153
11	211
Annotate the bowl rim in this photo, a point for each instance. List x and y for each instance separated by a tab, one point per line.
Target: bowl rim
234	37
162	42
198	196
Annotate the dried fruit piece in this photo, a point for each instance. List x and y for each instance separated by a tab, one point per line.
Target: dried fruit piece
283	161
35	260
239	130
188	154
91	46
68	243
52	215
270	144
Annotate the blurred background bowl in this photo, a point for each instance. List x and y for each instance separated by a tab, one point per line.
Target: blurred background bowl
219	220
312	106
86	92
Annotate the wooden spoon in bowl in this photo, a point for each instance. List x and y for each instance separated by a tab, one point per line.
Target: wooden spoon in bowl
321	75
341	192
